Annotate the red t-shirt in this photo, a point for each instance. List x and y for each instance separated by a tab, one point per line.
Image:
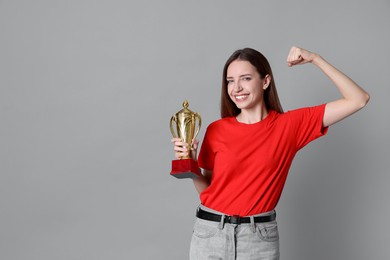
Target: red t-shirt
250	162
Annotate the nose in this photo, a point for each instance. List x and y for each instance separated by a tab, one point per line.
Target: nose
237	86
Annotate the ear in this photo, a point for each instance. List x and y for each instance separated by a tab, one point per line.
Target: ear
266	81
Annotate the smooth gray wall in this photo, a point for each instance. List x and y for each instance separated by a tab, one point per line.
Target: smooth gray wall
87	89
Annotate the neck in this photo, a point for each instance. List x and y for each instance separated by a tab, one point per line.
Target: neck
252	116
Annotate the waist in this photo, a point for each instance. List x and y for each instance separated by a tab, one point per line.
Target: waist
212	215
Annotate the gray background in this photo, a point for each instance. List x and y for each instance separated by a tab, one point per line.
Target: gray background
86	92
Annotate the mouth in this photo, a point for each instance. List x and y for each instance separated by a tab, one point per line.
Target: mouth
241	97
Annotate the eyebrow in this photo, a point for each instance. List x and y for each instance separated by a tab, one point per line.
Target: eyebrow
243	75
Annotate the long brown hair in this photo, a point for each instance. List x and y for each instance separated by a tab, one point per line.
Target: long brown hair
271	98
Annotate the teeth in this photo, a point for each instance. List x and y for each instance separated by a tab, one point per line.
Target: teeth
241	97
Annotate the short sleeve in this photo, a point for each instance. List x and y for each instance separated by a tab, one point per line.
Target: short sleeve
206	154
308	124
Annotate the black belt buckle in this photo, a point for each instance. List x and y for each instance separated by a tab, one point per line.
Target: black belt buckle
235	219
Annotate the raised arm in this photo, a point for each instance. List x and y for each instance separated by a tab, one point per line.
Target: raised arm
353	97
181	149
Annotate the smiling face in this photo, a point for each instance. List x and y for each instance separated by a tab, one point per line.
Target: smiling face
245	85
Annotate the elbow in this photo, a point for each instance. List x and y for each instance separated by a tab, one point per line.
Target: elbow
362	101
365	99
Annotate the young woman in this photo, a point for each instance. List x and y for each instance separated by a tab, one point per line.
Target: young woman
246	155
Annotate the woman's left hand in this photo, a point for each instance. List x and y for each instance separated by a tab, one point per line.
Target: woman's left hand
299	56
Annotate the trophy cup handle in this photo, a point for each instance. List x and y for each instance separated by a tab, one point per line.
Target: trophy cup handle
197	116
173	119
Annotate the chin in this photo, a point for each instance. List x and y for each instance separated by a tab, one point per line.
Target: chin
241	105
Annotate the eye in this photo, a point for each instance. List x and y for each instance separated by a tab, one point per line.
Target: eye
246	78
229	81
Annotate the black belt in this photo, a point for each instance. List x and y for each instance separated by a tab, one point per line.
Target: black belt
233	219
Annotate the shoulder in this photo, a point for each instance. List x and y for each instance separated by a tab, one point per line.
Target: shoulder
298	115
305	112
220	126
221	123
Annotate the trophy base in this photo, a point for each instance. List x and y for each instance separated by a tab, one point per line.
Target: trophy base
185	168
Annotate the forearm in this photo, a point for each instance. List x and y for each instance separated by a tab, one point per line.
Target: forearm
181	150
353	96
349	90
203	181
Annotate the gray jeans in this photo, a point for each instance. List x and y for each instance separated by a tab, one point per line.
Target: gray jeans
254	241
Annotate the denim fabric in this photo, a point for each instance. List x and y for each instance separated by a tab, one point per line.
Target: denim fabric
254	241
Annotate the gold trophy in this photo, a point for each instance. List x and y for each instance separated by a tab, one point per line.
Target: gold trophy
186	129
